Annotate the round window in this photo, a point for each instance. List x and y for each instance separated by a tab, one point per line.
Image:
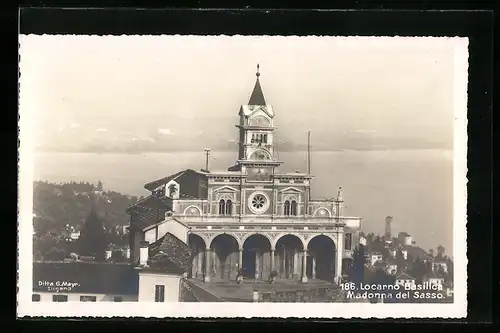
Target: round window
258	203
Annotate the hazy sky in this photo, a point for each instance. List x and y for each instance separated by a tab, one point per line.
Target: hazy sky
156	92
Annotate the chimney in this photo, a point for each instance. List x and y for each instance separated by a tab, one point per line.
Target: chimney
144	253
107	254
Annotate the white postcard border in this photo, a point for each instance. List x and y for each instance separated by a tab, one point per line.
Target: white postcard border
458	309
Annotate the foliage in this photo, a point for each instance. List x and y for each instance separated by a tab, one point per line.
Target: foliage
92	241
357	270
60	209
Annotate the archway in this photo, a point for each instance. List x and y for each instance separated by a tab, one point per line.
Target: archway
224	260
197	244
321	261
289	251
256	257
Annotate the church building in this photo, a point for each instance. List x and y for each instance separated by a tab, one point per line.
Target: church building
251	218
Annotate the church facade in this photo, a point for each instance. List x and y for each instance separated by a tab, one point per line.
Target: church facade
251	218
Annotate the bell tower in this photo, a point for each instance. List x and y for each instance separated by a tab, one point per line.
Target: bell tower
256	135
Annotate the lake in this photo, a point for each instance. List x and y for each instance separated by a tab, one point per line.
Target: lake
413	186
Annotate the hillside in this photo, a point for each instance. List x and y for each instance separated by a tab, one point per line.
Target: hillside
58	206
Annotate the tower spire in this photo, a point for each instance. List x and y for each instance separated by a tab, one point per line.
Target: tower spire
257	97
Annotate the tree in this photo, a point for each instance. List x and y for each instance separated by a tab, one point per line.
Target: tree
418	269
99	186
431	253
357	274
440	252
92	241
400	261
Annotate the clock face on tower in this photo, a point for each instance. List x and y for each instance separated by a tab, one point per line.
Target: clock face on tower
259	174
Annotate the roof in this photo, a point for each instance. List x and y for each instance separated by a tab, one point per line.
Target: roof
170	253
159	182
404	234
404	276
257	97
88	277
191	182
149	211
167	218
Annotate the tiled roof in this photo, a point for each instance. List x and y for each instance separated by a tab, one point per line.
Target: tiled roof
169	251
155	184
191	182
90	277
149	211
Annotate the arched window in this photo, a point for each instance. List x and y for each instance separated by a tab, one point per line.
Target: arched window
229	207
222	207
287	208
293	208
253	138
265	138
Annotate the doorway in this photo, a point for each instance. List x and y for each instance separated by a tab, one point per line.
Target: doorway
249	264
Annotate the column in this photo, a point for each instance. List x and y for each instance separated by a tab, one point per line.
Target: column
338	257
304	265
283	267
272	260
313	258
257	270
295	263
240	259
199	268
206	277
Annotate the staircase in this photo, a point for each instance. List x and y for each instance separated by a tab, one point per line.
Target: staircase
194	293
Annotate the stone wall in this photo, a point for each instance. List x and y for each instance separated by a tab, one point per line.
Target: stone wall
313	295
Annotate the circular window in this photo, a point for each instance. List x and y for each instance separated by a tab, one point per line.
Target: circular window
258	203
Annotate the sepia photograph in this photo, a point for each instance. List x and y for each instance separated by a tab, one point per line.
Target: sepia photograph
161	172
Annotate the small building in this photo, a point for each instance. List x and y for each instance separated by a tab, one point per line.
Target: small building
373	257
439	265
405	279
391	267
404	238
434	280
404	252
416	252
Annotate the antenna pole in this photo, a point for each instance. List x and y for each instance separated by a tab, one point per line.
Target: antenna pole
309	159
207	155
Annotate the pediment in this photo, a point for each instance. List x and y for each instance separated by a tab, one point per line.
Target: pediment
225	189
290	190
255	110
